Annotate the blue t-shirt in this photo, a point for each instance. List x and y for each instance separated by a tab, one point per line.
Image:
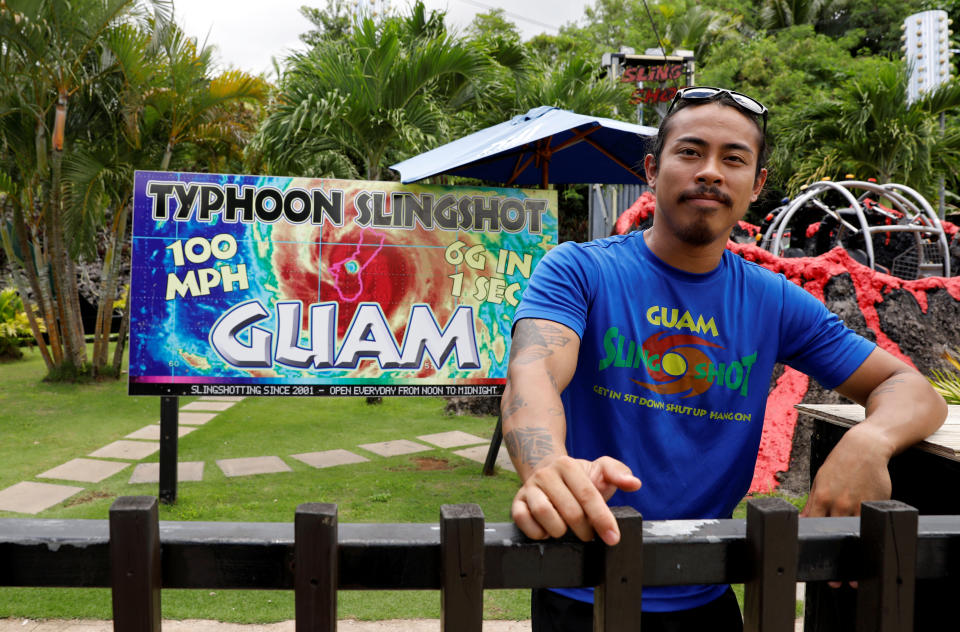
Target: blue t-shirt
673	373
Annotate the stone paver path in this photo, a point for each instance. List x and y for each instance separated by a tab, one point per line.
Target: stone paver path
479	454
30	497
152	432
329	458
131	450
194	419
204	404
84	470
452	439
252	465
187	471
395	448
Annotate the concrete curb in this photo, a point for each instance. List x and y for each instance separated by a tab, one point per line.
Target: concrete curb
196	625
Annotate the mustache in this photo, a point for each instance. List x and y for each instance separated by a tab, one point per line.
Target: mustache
712	192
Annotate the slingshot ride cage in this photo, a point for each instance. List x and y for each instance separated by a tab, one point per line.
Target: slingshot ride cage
927	255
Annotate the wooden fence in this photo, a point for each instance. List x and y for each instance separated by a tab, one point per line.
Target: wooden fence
887	550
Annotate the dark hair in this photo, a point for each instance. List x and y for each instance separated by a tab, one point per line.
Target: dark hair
724	99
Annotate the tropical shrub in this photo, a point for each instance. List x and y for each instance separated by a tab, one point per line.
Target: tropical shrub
14	326
947	381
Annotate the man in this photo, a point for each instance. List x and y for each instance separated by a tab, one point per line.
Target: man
648	357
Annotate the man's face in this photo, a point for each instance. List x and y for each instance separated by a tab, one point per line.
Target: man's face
707	174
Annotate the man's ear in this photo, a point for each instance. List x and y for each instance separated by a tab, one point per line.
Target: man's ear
650	166
758	184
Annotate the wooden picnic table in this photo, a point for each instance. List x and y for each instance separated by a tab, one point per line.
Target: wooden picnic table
926	476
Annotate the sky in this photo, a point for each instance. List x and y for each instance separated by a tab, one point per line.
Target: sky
247	33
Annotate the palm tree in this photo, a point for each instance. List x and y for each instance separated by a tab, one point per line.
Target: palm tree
52	54
870	130
518	77
164	98
383	93
196	107
778	14
85	99
695	27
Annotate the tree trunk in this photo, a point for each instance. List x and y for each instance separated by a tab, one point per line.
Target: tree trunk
122	335
30	305
111	268
64	282
34	265
167	154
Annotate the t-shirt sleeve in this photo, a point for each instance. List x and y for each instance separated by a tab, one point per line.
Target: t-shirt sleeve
815	341
558	289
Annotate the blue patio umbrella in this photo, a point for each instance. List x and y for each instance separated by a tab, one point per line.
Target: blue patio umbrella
544	145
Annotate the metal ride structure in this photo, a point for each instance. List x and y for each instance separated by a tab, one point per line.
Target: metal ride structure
929	254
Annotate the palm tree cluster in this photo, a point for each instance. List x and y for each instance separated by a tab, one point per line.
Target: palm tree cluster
93	90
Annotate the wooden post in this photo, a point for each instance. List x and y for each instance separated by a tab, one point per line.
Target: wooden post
461	564
616	602
770	597
135	564
169	421
315	567
888	538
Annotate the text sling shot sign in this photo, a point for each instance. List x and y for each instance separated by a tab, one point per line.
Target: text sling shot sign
253	285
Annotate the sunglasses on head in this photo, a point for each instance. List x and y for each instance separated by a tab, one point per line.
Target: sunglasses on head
704	93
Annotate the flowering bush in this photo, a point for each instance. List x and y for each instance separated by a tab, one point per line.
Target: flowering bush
14	326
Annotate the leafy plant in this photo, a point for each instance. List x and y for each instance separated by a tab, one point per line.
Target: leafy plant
947	381
14	325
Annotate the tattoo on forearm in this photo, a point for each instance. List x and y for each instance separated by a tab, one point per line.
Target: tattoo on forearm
553	381
531	355
886	387
536	340
530	444
515	404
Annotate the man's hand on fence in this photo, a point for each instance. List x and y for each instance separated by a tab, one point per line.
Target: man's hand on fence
855	471
566	492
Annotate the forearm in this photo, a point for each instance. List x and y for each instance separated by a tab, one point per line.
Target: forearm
534	425
543	358
902	410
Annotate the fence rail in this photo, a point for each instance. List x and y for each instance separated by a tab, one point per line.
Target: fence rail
886	550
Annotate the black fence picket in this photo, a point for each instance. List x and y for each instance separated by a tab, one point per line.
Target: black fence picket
315	567
888	550
770	595
135	564
461	562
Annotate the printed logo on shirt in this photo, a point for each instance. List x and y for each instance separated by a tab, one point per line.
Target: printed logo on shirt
671	318
676	364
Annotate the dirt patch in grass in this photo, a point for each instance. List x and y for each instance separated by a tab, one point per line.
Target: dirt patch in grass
88	497
430	463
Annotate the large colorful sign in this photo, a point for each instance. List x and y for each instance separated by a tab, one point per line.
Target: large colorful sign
254	285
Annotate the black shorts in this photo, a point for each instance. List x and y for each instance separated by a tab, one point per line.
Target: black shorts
553	612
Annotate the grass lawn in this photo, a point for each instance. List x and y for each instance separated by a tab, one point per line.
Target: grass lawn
45	425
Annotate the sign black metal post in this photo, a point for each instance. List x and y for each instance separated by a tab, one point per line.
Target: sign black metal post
494	448
169	423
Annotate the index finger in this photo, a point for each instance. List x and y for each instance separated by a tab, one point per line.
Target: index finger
594	507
